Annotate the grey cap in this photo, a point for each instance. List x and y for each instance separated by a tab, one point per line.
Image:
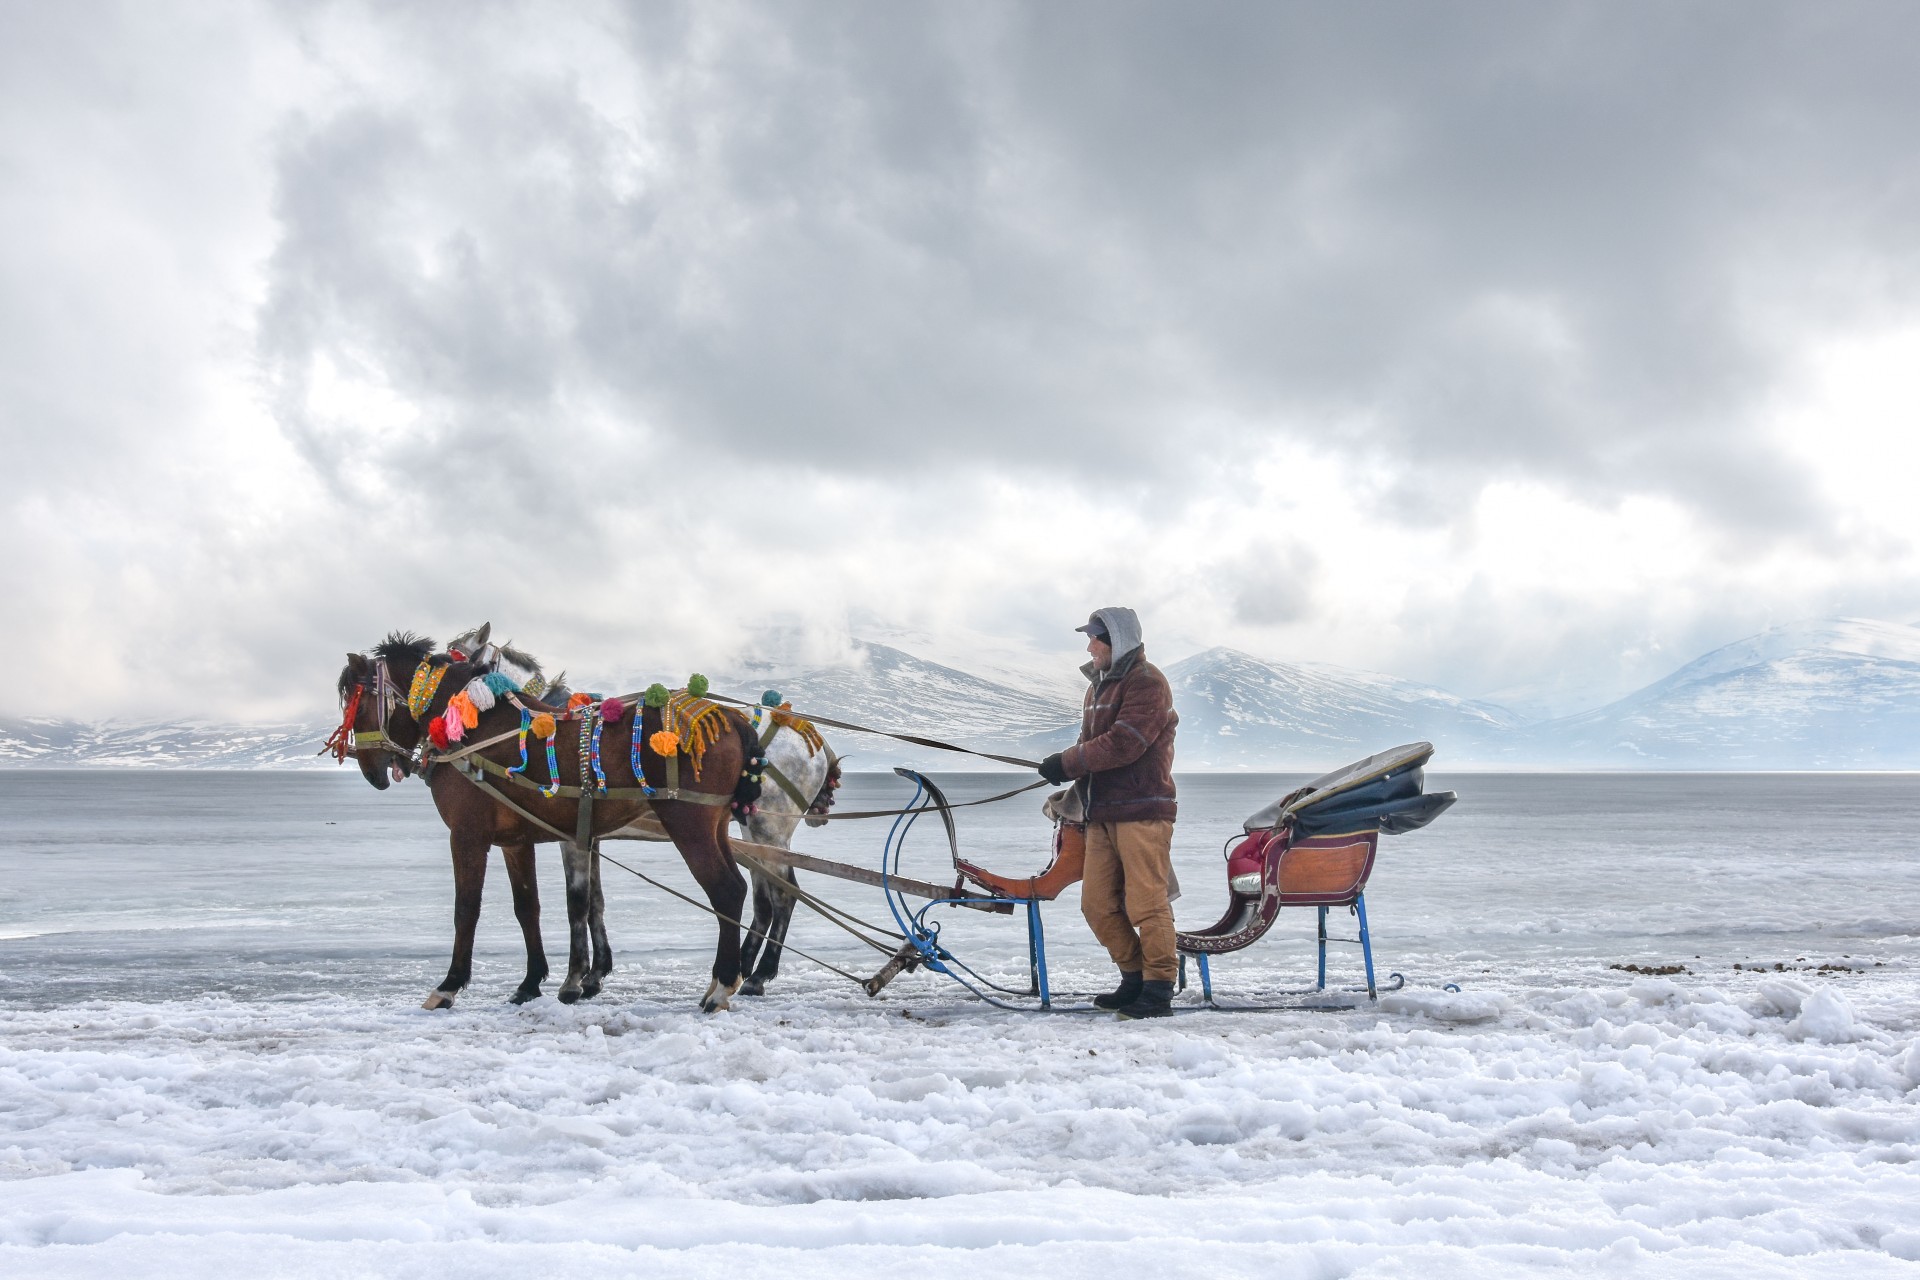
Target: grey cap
1095	626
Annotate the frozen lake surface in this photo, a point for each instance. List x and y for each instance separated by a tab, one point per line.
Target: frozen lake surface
210	1054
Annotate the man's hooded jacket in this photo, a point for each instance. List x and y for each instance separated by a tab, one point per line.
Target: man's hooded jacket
1123	763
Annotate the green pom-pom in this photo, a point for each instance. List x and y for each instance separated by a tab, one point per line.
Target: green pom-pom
697	685
656	695
770	698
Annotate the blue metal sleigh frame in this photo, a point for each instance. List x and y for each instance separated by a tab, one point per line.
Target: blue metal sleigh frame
1320	844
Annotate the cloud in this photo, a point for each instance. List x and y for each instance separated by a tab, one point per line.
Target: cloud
648	323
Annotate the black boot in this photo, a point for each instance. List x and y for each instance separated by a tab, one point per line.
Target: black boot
1155	1001
1125	994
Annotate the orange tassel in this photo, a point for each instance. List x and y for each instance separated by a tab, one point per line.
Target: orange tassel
665	743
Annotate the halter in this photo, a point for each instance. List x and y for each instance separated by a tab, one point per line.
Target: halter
386	697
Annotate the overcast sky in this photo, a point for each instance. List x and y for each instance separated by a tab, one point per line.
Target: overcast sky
1502	346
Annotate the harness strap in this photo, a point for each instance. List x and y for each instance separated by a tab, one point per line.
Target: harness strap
786	784
611	793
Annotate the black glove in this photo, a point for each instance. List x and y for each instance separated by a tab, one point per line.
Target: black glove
1052	770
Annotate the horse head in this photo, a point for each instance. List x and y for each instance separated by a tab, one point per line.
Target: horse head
376	727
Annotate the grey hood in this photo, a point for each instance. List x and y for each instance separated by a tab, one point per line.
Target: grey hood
1123	629
1123	633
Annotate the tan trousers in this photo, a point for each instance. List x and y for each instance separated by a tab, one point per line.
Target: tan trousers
1124	896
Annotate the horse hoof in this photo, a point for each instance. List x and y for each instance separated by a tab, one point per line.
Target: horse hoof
589	989
715	1001
523	995
753	987
569	995
438	1000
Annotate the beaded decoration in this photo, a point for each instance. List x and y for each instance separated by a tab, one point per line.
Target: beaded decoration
588	744
426	683
552	788
526	723
633	758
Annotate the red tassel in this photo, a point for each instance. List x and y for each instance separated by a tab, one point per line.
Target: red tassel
342	740
437	733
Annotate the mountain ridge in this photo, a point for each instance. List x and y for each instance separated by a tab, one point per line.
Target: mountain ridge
1836	693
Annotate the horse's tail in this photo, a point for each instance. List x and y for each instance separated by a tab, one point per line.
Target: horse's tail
823	801
753	767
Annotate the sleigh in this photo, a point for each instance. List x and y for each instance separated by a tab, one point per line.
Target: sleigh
1314	847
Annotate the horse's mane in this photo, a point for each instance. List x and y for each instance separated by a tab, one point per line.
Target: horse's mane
404	645
488	656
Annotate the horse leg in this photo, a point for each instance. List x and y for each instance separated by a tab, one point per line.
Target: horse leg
526	909
469	877
784	904
579	867
597	931
700	833
765	908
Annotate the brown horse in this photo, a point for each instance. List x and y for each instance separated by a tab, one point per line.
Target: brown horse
385	733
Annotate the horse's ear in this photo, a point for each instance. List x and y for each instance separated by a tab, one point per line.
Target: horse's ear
356	662
480	636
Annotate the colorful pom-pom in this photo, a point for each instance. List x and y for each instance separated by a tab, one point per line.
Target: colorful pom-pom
697	685
656	695
543	725
437	732
770	699
613	710
456	727
469	714
577	701
479	693
664	743
499	683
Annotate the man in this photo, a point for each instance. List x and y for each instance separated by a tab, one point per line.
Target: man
1123	768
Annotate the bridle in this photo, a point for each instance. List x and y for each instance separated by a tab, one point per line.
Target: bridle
386	698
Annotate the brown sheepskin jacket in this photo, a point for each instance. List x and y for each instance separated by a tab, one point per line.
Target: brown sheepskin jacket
1123	763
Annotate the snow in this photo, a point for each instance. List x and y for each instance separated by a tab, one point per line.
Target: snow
1657	1127
210	1064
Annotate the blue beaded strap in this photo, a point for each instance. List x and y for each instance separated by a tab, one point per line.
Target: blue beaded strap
526	721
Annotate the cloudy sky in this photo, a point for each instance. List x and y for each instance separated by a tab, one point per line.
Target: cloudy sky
1503	346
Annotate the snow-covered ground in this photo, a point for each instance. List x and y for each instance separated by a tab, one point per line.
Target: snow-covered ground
1556	1115
1653	1127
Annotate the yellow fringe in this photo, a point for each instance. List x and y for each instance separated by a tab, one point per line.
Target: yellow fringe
698	722
784	717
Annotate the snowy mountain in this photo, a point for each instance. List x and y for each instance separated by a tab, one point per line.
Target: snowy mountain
1238	711
63	744
1836	694
891	689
